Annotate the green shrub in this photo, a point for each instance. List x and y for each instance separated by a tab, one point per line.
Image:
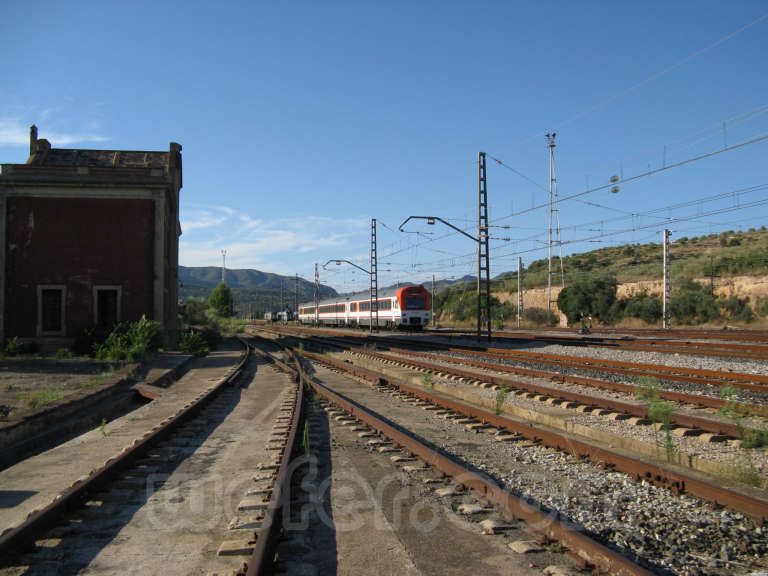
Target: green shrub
693	304
540	316
591	295
130	341
194	343
63	353
762	306
645	307
220	300
738	309
14	346
194	311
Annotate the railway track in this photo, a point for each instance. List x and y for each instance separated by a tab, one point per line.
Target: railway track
755	349
369	405
193	482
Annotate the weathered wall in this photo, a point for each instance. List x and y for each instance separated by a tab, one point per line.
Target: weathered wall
77	242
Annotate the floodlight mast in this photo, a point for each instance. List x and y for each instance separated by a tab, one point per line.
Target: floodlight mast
370	311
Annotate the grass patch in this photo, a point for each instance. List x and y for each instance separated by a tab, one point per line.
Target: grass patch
427	380
42	397
659	411
63	353
96	380
501	397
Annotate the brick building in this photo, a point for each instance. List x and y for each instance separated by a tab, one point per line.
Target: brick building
88	238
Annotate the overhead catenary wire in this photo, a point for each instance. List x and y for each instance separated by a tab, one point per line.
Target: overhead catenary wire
762	137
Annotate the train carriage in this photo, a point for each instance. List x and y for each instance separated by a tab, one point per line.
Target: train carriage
406	307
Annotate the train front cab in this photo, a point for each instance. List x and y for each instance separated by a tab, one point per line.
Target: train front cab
415	304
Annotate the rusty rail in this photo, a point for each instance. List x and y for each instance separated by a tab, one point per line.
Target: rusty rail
21	537
550	526
678	482
756	382
264	551
640	410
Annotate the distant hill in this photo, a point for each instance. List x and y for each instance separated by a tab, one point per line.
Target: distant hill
255	292
728	253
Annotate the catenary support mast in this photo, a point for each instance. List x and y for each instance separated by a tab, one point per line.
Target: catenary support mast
483	256
374	278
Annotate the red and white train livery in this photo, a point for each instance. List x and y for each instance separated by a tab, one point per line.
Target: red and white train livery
407	307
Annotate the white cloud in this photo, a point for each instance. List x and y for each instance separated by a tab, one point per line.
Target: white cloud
205	221
14	133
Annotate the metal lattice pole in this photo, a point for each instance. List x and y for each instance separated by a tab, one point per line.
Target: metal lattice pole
519	290
374	278
483	257
296	296
317	295
667	287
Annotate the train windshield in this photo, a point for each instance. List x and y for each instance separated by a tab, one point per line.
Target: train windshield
414	303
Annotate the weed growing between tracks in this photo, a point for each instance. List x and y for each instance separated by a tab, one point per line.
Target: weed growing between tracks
743	470
659	412
427	380
501	397
42	397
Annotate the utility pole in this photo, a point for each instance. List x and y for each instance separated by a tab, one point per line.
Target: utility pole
223	266
667	289
282	296
519	290
483	257
317	295
432	302
296	296
374	278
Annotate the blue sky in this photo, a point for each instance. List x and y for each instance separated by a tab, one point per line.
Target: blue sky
301	121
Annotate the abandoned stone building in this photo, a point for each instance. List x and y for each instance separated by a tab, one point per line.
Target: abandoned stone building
88	238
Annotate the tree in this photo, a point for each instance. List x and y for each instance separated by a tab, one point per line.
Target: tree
592	295
220	300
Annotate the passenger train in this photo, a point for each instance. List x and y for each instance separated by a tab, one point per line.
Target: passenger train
407	307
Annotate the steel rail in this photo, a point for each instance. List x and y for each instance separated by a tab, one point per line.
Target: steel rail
676	373
550	526
639	410
681	397
691	421
16	539
262	560
672	333
758	382
664	345
756	508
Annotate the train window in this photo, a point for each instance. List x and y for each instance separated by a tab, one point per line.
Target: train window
414	303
